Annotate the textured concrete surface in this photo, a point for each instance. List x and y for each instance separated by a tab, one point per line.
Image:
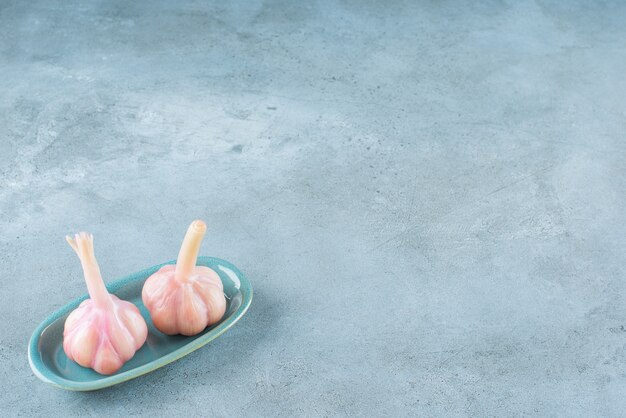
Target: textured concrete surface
428	198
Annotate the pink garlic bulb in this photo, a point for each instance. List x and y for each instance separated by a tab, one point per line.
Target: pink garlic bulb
185	298
104	331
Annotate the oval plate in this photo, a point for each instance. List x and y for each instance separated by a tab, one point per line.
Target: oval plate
50	364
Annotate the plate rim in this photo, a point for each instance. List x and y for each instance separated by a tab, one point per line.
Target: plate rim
44	373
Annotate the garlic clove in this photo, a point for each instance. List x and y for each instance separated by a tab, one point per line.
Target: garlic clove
191	313
87	349
106	360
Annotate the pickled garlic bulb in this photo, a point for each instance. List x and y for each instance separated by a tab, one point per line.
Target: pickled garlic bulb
104	332
185	298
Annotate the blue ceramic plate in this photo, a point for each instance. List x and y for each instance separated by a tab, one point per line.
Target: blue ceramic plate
50	364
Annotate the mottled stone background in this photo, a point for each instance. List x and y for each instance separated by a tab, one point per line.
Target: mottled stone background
428	197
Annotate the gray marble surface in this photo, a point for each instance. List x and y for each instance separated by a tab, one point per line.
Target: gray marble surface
428	197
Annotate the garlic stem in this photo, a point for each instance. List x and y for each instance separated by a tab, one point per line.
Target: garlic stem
82	244
188	254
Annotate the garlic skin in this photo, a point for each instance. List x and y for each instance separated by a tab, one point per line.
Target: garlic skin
104	332
185	298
